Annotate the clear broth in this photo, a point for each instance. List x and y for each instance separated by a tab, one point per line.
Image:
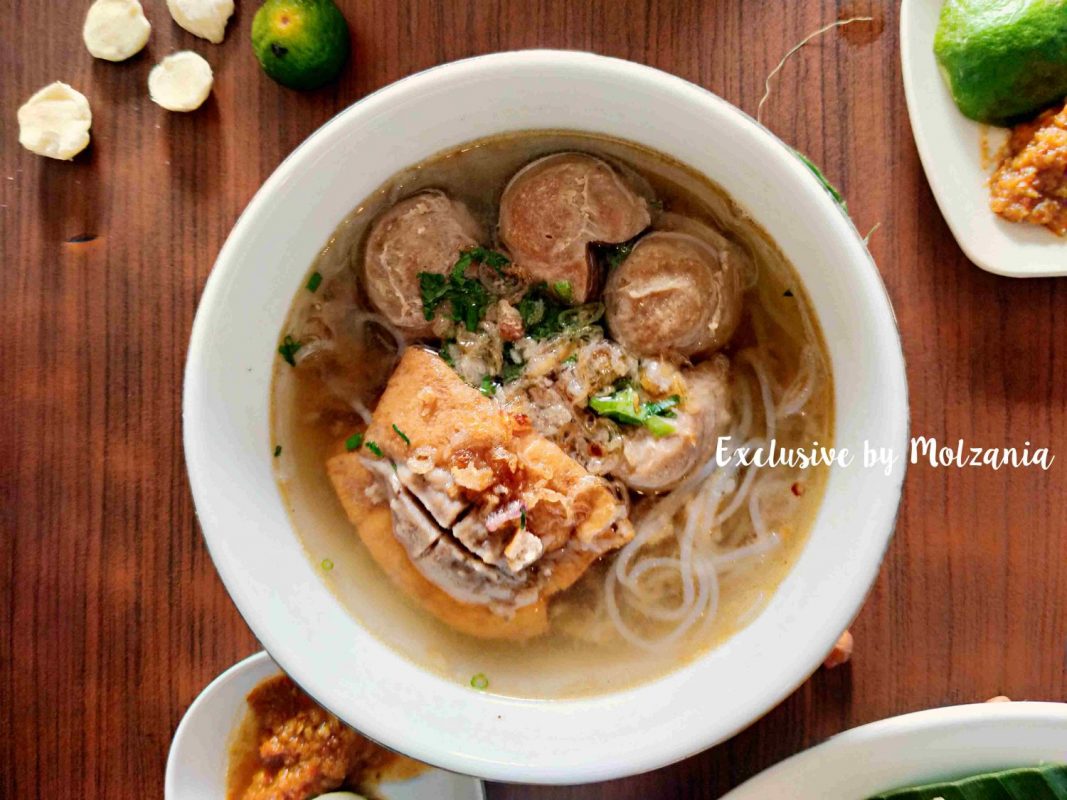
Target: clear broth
555	665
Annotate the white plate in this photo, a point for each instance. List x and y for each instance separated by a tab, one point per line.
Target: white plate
942	744
197	764
950	146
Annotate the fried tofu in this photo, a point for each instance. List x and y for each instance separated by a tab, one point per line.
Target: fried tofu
429	403
485	575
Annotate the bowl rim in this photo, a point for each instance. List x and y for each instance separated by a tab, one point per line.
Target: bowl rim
664	749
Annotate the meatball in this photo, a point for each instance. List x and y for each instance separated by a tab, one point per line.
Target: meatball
555	207
424	233
674	295
652	465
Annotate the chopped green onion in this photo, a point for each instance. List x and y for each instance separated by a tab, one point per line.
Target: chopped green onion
624	406
511	371
571	359
354	442
494	259
564	290
480	255
661	406
488	386
373	447
434	289
540	311
314	281
532	310
480	681
659	426
581	316
288	349
544	315
402	435
467	297
326	565
277	451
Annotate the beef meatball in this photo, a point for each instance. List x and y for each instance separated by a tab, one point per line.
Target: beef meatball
674	295
424	233
555	207
651	464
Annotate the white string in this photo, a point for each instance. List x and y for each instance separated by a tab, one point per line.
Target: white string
805	41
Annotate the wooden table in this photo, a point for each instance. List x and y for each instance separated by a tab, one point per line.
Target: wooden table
111	614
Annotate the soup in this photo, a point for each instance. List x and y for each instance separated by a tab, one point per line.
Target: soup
509	399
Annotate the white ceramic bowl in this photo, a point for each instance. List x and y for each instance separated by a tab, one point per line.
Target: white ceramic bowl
915	749
260	559
197	764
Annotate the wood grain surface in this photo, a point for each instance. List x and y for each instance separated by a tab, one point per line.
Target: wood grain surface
111	615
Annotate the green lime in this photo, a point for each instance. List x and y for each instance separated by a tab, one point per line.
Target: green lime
302	44
1003	58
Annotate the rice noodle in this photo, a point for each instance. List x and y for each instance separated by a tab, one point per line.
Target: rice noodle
741	494
756	516
686	575
800	392
312	349
360	319
766	394
760	547
744	401
363	411
334	335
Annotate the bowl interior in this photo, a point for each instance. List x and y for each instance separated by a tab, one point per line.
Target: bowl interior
260	559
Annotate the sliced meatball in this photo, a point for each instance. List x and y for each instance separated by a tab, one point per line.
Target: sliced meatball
470	580
676	295
432	490
732	255
555	207
424	233
653	465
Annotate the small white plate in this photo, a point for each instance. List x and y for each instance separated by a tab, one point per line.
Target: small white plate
197	764
942	744
950	146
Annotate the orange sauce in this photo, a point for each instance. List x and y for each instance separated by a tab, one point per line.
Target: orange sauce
289	748
1030	185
